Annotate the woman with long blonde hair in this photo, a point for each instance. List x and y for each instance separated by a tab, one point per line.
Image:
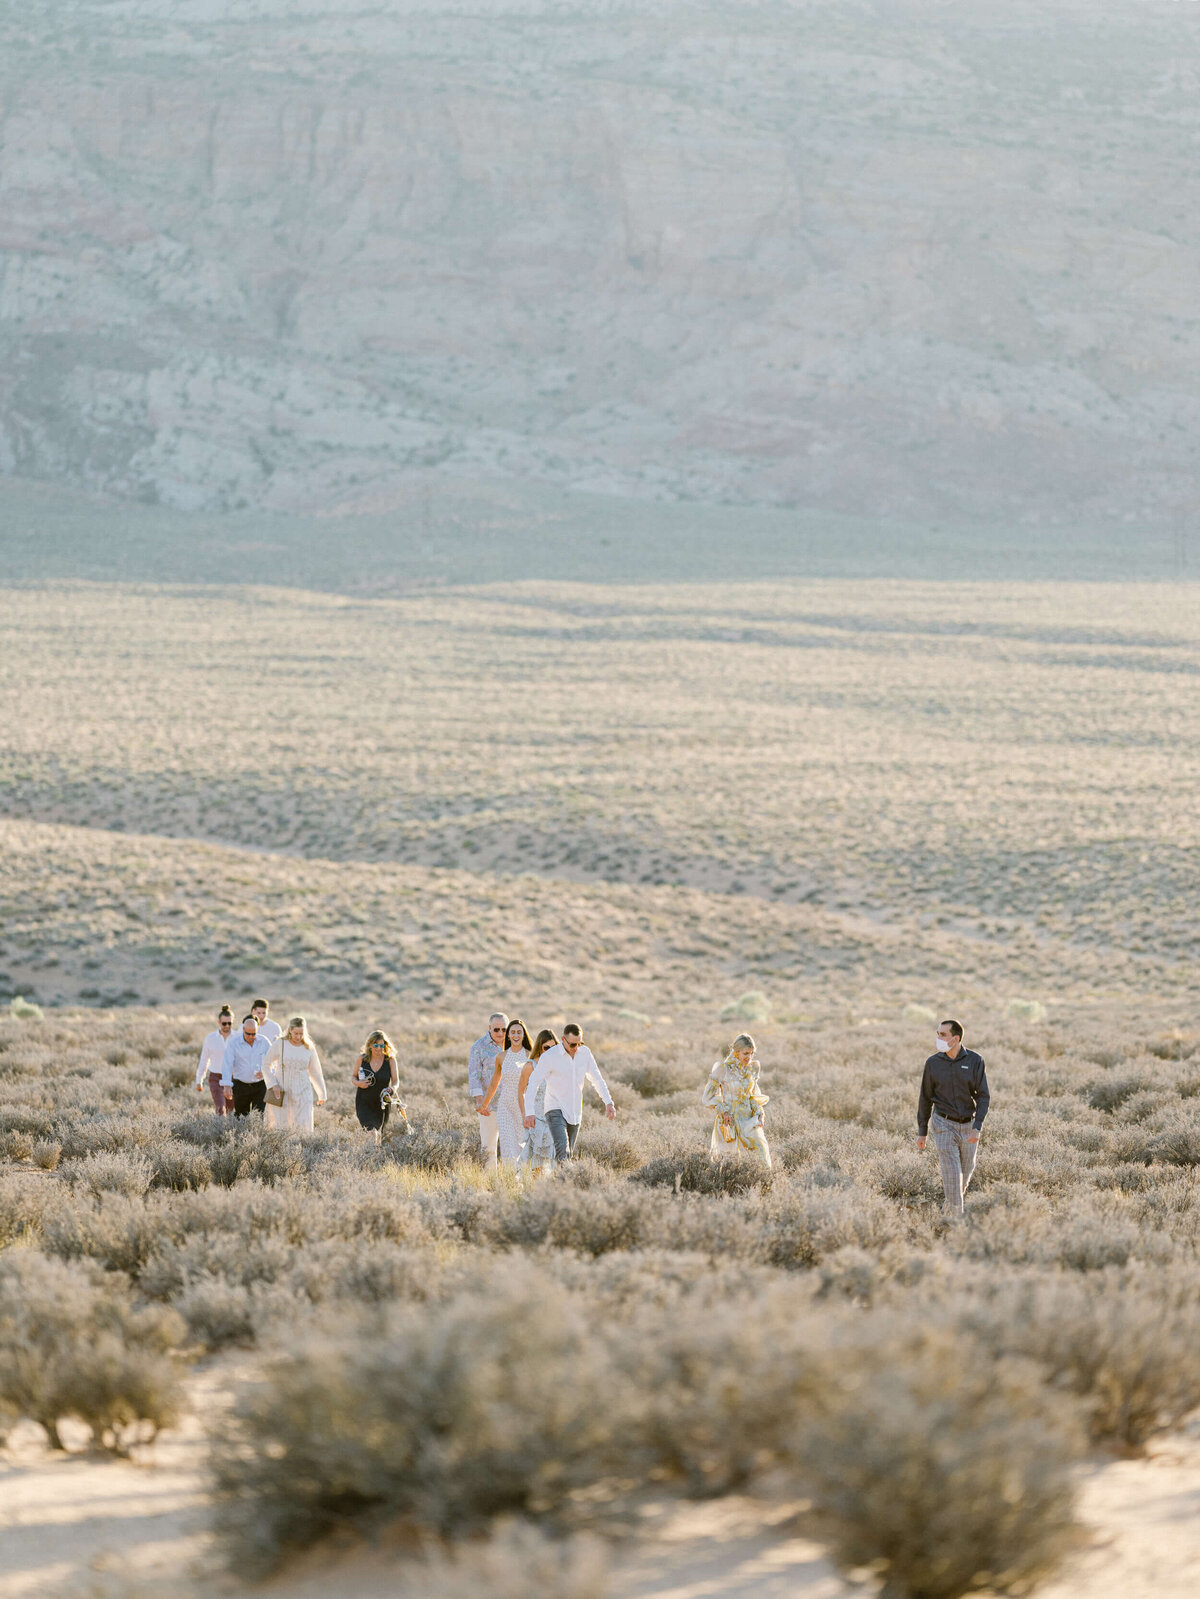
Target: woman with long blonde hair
375	1074
293	1066
732	1091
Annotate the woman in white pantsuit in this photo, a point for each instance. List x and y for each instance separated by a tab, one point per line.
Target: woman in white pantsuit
292	1063
505	1080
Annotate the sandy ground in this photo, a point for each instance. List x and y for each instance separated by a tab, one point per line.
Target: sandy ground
81	1528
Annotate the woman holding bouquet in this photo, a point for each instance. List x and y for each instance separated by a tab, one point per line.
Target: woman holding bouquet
732	1091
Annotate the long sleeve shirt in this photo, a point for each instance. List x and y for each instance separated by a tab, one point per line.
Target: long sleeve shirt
564	1076
955	1088
243	1062
481	1064
212	1053
270	1031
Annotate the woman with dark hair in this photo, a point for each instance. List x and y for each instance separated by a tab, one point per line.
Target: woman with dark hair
537	1152
505	1078
375	1074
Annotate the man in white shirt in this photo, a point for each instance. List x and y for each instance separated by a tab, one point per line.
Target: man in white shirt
481	1063
212	1057
266	1027
241	1068
565	1068
270	1031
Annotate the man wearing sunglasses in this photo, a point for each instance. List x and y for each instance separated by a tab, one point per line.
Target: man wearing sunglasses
242	1068
212	1056
565	1067
480	1067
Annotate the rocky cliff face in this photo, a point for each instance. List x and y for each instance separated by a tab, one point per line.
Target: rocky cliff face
909	259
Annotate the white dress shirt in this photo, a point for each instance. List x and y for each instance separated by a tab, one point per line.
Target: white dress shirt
270	1030
242	1062
212	1054
565	1076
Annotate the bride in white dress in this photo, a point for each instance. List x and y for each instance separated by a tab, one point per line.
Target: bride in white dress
505	1081
292	1063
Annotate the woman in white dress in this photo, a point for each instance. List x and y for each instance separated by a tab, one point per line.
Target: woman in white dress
537	1152
292	1063
505	1081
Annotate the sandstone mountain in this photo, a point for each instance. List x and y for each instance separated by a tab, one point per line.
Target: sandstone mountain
899	260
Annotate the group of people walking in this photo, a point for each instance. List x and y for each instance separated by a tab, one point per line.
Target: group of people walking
528	1092
278	1075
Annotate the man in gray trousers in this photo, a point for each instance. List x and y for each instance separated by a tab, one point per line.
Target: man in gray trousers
954	1088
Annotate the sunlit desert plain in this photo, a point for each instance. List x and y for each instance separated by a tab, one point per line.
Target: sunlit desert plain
830	811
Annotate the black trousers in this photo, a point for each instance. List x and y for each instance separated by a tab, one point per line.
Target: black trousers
248	1097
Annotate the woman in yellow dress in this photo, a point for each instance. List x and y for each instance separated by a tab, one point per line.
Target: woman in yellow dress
732	1091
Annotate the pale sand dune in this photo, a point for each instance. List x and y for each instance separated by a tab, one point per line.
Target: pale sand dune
76	1527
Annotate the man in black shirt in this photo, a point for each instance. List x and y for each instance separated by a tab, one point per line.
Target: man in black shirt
954	1089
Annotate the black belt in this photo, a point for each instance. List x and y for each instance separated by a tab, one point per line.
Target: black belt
961	1120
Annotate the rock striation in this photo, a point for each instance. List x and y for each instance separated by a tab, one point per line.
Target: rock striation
902	261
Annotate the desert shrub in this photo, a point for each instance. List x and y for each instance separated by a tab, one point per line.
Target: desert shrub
593	1222
612	1149
219	1314
46	1153
201	1128
1176	1146
751	1007
1122	1342
657	1078
16	1145
29	1119
694	1173
432	1151
115	1173
117	1230
1027	1010
494	1404
24	1010
179	1165
364	1271
73	1343
1110	1093
946	1474
908	1176
808	1224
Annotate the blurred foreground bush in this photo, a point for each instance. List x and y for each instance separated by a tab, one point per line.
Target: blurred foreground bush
949	1470
73	1343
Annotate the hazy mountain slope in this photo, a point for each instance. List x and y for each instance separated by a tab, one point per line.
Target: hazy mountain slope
890	260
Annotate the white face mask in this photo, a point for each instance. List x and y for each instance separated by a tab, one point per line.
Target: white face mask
943	1045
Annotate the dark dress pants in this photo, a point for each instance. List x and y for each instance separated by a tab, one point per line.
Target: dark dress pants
248	1097
562	1133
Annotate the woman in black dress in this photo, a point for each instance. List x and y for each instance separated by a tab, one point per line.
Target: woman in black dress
375	1074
